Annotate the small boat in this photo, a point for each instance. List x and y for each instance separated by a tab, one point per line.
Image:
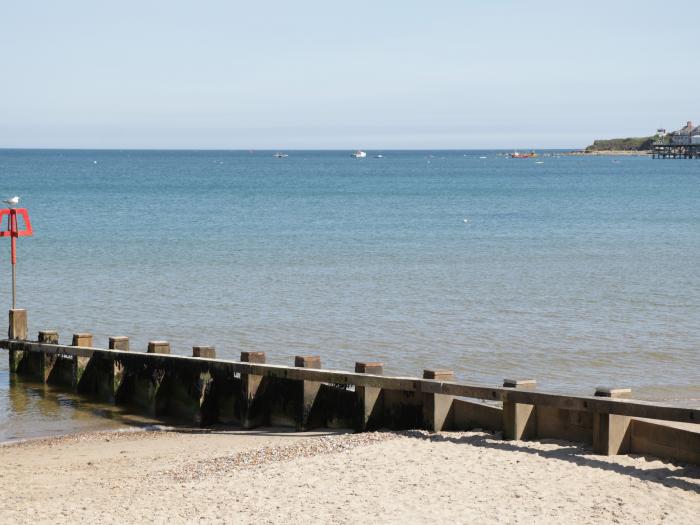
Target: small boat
482	157
359	154
379	156
516	155
280	155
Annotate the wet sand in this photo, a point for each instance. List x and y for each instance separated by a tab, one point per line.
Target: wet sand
272	476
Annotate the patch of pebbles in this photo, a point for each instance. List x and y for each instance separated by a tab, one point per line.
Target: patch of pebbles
303	448
126	434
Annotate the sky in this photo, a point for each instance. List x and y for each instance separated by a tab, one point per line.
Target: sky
330	75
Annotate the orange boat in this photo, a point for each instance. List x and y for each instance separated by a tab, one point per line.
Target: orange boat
516	155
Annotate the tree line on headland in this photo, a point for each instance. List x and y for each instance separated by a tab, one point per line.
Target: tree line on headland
627	144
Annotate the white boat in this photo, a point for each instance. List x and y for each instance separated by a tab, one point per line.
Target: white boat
280	155
359	154
379	156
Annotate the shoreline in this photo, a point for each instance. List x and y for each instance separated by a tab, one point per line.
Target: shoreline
271	476
608	153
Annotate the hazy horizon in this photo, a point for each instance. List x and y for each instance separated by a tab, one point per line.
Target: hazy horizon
174	75
253	150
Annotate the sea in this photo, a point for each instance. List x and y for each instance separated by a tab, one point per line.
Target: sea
576	271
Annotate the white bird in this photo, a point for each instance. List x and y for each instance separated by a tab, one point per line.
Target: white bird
13	201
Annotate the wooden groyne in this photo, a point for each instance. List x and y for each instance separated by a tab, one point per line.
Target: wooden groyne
203	390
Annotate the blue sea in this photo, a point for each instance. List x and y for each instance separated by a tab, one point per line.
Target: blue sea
576	271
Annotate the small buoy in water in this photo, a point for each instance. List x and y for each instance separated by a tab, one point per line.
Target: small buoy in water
465	220
94	162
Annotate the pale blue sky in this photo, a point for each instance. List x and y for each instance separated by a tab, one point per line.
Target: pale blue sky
240	75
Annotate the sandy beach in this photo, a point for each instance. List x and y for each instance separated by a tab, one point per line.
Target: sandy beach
273	476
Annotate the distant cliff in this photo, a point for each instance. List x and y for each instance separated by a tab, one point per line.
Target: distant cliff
629	144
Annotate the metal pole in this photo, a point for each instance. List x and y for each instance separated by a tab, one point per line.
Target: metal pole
13	255
14	286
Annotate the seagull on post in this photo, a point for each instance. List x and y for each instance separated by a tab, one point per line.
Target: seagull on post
12	201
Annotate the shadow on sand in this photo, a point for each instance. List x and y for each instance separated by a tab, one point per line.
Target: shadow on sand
683	476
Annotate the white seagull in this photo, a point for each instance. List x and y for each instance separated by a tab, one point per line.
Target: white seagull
13	201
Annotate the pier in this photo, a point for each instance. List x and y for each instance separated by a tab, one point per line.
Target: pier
675	151
200	389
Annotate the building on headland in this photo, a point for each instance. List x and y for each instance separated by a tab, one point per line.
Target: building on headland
685	135
683	143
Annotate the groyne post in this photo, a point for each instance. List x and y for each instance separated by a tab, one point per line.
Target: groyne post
437	408
142	380
18	324
252	406
110	371
307	394
46	361
519	419
611	433
18	329
119	342
204	352
99	375
368	398
185	388
158	347
80	363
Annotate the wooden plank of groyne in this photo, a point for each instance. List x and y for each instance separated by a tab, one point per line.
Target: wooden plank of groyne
665	441
330	376
279	371
469	415
602	405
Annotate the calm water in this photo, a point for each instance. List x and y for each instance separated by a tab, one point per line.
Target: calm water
579	271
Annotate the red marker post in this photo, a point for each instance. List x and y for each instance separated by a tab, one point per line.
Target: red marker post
13	232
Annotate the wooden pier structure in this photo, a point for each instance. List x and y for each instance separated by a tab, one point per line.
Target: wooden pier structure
203	390
675	151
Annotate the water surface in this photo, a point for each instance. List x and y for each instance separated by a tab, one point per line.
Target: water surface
578	272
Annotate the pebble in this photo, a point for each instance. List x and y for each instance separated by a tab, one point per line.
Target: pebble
271	454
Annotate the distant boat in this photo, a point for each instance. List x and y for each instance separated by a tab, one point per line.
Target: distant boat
359	154
482	157
516	155
379	156
539	162
280	155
